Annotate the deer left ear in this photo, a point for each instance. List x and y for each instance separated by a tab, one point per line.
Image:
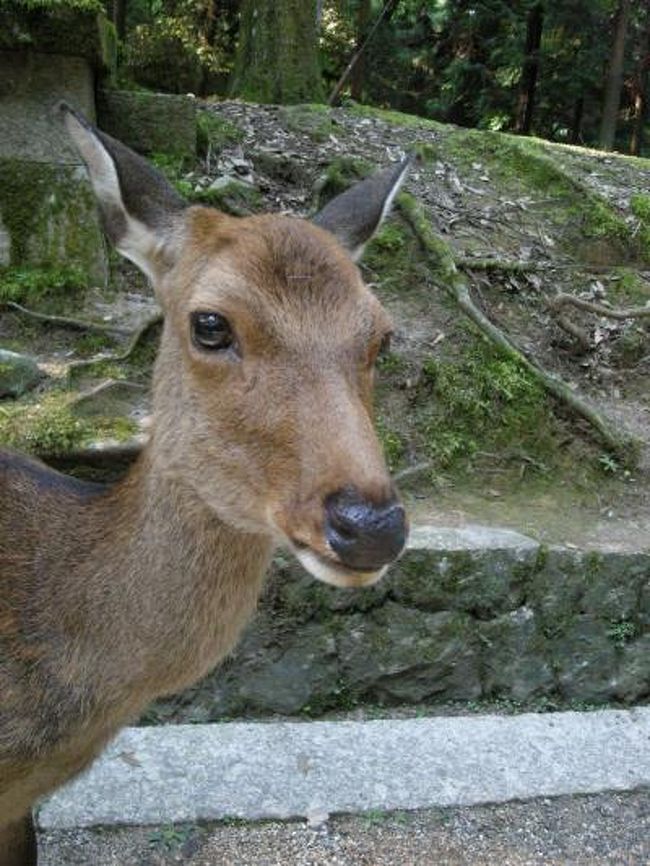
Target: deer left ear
355	215
139	208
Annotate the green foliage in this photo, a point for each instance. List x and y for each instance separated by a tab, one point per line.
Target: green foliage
622	632
80	5
213	133
170	837
484	400
391	441
30	285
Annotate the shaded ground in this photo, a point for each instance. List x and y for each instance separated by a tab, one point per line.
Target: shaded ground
604	829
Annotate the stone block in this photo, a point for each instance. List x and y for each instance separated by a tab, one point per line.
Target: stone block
30	86
515	663
48	218
400	655
149	122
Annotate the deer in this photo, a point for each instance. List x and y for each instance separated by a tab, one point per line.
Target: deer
262	435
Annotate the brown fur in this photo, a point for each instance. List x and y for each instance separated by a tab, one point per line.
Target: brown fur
112	596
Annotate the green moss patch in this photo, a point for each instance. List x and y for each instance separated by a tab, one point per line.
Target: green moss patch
50	427
50	216
32	286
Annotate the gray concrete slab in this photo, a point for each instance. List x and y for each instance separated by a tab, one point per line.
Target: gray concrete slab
280	770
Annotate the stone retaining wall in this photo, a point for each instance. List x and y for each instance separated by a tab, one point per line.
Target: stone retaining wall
465	615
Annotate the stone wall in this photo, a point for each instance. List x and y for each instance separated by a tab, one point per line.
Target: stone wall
466	615
47	215
149	122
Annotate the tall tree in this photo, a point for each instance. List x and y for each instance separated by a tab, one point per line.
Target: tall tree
530	70
277	56
640	89
614	77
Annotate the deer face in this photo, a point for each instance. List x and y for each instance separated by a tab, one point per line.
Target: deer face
263	384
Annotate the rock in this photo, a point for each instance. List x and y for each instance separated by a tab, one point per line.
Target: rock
397	654
586	660
515	657
110	399
634	672
149	122
306	671
484	572
18	374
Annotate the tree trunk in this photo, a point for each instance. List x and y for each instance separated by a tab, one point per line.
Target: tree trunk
575	134
119	18
614	77
640	96
357	77
530	69
277	56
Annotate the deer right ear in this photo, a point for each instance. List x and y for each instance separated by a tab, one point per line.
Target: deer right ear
137	205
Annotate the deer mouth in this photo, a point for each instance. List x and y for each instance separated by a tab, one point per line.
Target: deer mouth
331	571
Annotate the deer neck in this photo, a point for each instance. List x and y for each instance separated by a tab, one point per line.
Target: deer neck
176	584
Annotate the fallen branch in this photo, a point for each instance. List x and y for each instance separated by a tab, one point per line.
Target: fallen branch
447	277
65	322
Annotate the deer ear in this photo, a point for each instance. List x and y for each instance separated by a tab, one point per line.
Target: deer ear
137	206
355	215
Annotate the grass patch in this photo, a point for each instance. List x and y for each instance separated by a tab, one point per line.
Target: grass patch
214	133
25	285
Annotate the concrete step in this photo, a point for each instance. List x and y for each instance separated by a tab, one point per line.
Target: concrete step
186	773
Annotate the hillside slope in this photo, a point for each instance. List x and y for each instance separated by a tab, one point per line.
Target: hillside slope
470	433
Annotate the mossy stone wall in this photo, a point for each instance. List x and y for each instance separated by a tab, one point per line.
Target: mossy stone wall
465	615
149	122
48	216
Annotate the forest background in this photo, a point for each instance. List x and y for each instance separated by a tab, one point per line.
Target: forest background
574	72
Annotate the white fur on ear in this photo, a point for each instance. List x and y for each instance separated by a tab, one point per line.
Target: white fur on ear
131	237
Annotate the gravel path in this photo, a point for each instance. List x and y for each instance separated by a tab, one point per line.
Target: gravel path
595	830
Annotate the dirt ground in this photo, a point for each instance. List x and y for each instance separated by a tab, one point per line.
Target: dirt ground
599	830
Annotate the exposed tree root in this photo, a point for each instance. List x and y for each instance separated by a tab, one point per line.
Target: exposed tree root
564	300
446	276
119	357
66	322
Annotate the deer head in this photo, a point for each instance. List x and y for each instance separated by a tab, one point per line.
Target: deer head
264	377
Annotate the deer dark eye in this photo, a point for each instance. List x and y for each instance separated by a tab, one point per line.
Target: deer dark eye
211	331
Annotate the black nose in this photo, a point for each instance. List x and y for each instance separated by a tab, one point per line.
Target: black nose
365	536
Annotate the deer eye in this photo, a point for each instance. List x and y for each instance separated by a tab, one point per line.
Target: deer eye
211	331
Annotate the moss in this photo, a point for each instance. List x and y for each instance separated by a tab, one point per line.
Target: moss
234	197
395	117
482	401
49	427
31	286
627	287
43	209
391	441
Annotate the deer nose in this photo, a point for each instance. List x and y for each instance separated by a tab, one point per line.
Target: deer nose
365	536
